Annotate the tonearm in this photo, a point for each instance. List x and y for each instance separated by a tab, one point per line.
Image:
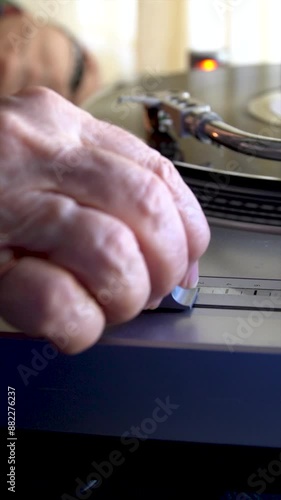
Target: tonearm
189	117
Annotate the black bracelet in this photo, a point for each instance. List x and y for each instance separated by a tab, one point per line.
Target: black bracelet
79	67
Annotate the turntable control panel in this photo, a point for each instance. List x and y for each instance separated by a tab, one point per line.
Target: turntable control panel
239	293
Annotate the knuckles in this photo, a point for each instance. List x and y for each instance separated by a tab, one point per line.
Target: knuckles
118	238
58	208
126	284
119	252
150	199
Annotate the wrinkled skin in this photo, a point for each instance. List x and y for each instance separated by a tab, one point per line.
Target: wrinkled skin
98	225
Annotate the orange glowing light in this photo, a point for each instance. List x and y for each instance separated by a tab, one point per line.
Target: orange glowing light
207	64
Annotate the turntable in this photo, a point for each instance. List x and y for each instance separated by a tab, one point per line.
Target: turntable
218	363
222	130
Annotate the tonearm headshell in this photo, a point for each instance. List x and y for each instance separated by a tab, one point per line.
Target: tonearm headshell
228	197
190	117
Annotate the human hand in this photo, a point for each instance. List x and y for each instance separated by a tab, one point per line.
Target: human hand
46	56
95	225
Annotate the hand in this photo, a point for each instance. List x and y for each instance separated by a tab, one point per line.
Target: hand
95	225
43	56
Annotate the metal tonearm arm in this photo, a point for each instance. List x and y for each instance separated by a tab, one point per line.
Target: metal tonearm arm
190	117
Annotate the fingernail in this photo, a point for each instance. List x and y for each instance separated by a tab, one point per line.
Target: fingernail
193	276
151	306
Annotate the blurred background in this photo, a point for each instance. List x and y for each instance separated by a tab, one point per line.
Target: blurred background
132	36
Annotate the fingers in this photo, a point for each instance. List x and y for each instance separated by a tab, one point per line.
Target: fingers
119	187
117	227
98	250
83	134
121	142
43	300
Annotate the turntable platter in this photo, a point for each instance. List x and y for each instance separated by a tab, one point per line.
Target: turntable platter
229	91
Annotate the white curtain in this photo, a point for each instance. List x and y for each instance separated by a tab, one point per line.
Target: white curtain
162	35
133	36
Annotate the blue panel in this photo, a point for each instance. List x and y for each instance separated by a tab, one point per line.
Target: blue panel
221	397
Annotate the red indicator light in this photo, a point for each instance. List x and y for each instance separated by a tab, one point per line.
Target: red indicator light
207	65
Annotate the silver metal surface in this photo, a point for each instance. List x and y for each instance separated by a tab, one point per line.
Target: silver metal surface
190	117
180	299
243	142
239	293
235	259
225	292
